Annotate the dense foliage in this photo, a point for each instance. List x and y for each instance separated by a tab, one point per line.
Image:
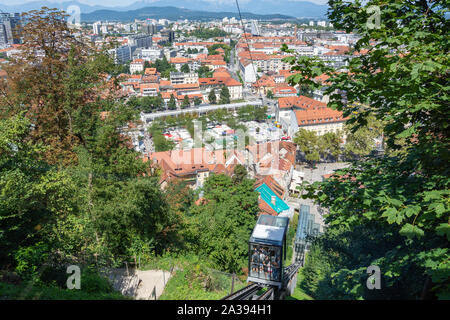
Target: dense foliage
147	104
221	225
206	33
72	190
164	67
392	210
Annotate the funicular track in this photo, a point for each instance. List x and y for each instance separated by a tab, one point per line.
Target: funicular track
249	292
244	293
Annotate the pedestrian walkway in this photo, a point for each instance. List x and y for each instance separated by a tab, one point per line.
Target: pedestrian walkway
313	175
152	284
141	285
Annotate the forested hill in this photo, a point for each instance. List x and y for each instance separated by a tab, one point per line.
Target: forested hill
172	13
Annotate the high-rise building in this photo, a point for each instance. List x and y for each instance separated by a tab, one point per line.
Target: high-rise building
149	28
97	27
122	54
255	28
104	29
140	41
9	28
169	34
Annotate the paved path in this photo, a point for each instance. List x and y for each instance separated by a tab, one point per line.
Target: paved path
141	285
322	169
313	176
151	280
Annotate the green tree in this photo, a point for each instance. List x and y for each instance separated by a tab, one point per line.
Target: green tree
224	95
186	103
87	209
239	174
360	139
220	228
160	142
330	144
197	101
206	33
185	68
212	97
252	113
172	105
58	88
270	94
204	72
29	189
309	143
401	200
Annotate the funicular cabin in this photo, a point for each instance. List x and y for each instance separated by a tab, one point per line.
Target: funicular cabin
267	250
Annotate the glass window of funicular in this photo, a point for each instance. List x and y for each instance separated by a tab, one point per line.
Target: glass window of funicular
265	262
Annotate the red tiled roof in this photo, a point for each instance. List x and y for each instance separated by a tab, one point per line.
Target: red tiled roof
179	60
284	89
150	71
265	81
149	86
165	83
266	208
193	86
216	62
318	116
228	81
215	57
299	102
138	61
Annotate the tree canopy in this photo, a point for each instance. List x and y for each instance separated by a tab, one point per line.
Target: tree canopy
398	75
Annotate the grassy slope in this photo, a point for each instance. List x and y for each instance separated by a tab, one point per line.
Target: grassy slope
25	292
193	278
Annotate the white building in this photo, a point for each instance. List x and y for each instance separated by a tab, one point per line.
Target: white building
137	65
255	28
297	180
97	27
151	54
183	78
248	71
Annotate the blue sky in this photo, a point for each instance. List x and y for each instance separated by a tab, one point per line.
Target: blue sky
128	2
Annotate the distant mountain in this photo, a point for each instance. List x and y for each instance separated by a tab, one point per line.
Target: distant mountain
292	8
171	13
39	4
